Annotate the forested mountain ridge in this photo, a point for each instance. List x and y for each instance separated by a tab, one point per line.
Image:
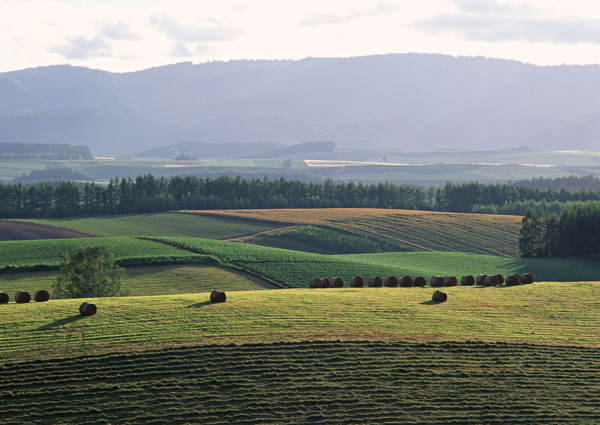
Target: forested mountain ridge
405	102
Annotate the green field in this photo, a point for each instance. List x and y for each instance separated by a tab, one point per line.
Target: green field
311	383
163	224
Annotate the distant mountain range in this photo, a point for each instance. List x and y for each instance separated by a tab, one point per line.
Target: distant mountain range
410	102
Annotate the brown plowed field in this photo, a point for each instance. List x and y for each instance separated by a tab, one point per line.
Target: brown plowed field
11	230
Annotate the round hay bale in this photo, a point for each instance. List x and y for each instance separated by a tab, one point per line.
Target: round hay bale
315	282
491	280
500	279
87	309
450	281
218	296
439	296
419	281
41	296
326	282
375	282
480	280
406	281
22	297
467	280
337	282
513	279
390	281
4	298
436	281
357	282
527	278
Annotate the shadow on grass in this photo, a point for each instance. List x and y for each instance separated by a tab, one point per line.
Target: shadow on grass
430	302
60	322
199	305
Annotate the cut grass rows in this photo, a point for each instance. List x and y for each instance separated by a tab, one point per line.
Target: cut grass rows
312	382
547	313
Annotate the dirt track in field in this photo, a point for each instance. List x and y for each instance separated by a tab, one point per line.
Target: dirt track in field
11	230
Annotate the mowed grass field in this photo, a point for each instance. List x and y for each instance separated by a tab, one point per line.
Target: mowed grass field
311	383
414	230
542	313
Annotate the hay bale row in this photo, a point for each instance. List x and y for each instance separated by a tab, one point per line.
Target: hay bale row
23	297
420	281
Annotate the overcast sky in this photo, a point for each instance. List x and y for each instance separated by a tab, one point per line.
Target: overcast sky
128	35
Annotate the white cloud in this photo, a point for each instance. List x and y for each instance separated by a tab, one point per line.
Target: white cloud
496	21
137	34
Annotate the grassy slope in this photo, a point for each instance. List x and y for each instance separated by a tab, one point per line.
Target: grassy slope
546	313
415	230
149	280
316	383
163	224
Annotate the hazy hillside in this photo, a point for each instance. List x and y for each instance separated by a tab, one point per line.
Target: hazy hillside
410	102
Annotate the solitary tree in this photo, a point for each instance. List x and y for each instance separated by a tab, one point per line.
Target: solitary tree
91	272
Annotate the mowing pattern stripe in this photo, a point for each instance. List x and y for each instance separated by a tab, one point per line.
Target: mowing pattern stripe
312	382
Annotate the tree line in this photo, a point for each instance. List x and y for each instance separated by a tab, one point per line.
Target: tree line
147	193
573	233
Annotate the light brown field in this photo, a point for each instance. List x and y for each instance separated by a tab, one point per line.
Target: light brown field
415	230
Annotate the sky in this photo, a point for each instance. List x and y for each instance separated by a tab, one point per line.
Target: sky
123	36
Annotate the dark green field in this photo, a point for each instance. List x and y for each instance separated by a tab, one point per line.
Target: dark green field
311	382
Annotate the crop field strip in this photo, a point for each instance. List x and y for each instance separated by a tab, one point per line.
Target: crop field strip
416	230
542	313
162	224
311	382
296	268
150	280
